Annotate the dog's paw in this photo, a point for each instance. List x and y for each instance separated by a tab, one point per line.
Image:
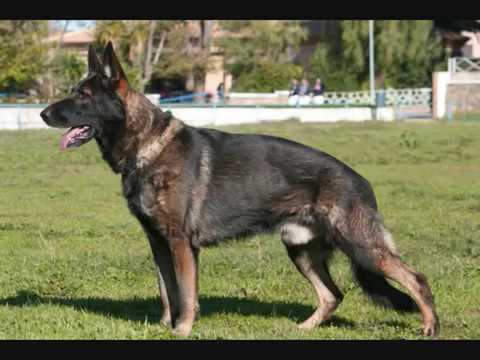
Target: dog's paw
166	319
182	330
308	324
431	329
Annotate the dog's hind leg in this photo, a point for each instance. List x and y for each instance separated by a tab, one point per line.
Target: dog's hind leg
311	260
416	283
372	250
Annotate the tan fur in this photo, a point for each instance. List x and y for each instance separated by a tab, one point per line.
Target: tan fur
153	148
199	192
388	241
417	285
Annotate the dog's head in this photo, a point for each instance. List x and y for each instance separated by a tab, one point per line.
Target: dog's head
96	104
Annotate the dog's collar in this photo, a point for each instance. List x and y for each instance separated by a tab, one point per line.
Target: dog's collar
152	149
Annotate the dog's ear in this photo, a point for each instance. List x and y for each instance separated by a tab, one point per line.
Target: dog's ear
94	65
113	70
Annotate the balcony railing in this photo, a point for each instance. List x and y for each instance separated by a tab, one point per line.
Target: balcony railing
463	65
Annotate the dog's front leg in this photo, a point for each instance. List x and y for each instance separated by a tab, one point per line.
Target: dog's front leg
183	259
196	254
165	273
166	318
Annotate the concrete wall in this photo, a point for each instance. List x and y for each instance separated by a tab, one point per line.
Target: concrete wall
472	47
239	115
455	92
275	98
439	93
464	97
14	118
215	75
19	118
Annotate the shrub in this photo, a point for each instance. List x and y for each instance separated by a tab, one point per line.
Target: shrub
268	77
67	70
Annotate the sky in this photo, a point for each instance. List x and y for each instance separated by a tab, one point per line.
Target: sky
75	24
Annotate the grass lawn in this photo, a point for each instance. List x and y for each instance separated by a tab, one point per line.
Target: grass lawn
74	264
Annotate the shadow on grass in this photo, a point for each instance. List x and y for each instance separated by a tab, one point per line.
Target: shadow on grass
148	310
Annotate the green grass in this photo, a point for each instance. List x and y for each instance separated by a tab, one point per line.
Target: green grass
74	264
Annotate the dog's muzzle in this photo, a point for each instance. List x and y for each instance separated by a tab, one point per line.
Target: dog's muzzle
46	115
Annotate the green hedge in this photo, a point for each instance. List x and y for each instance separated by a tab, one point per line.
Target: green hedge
268	77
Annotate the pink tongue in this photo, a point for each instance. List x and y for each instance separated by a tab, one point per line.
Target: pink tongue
69	135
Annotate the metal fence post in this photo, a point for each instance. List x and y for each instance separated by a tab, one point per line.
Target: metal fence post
19	120
214	113
449	111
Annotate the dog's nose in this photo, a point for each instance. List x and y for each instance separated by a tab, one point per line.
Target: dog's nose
46	114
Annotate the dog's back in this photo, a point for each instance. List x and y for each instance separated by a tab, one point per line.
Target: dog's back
254	181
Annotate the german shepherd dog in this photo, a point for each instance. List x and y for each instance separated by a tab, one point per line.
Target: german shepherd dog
191	187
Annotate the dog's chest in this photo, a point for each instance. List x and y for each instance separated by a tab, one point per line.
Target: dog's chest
146	195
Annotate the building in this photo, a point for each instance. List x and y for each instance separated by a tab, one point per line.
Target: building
456	91
460	37
216	72
74	41
471	47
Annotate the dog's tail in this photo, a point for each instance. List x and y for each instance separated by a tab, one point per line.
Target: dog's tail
381	292
368	242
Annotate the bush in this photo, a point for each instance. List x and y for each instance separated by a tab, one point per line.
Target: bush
67	70
268	77
334	75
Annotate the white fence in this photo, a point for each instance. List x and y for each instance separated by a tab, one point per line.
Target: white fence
462	64
464	70
391	97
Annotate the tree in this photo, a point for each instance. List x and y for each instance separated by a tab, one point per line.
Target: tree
23	54
67	69
268	77
250	44
128	38
406	53
409	52
330	66
156	47
183	58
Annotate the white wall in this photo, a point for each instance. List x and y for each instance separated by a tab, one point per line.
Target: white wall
15	118
472	45
12	117
229	116
440	84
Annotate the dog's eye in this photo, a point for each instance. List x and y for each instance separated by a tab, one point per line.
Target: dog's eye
83	94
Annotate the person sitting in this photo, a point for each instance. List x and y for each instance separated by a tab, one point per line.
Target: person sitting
304	98
294	88
317	92
319	88
293	93
303	88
